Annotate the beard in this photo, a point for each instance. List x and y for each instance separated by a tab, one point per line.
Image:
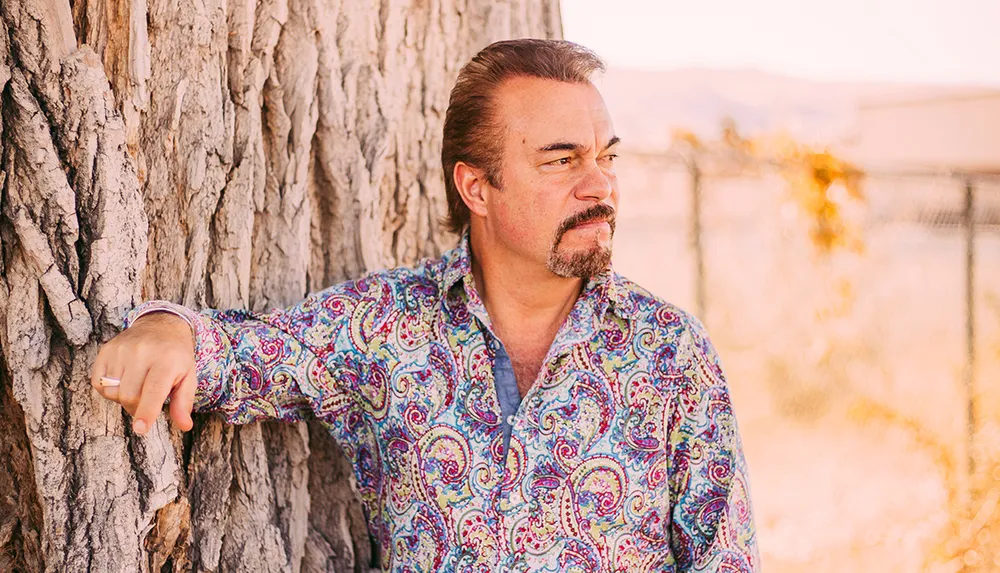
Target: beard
594	259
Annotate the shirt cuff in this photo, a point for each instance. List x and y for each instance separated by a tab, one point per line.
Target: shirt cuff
162	306
199	330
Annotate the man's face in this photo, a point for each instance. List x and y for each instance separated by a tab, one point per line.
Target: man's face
558	192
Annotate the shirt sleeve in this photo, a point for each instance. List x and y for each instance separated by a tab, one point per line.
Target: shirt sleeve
712	526
286	363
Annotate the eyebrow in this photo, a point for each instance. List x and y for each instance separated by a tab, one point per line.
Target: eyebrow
568	146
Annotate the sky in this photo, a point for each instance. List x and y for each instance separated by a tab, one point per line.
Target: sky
908	41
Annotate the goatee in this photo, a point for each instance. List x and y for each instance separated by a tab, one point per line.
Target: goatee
582	264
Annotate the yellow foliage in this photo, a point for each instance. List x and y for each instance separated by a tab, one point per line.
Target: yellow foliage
733	140
970	541
684	137
814	176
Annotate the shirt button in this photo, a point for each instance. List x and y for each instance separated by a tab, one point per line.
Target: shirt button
510	420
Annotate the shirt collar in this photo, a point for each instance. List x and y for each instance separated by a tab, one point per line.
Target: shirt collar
457	264
607	289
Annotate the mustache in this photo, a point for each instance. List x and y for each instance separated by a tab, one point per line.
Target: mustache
599	212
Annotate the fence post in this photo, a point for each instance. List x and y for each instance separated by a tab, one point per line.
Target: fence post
970	325
696	242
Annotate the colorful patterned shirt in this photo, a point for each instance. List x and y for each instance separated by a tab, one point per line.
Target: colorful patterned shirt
624	455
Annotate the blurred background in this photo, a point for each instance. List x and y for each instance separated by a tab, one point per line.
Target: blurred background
820	184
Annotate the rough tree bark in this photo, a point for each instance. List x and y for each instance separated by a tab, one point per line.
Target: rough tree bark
215	153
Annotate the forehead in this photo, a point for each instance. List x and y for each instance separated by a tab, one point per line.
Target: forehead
538	111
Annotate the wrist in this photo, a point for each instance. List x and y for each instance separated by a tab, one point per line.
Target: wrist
161	313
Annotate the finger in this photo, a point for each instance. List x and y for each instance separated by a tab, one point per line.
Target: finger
155	389
111	392
130	389
99	369
182	401
112	370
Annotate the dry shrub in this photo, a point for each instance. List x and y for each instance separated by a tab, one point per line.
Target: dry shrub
970	540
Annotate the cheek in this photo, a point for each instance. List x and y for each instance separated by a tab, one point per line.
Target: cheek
613	198
526	224
509	220
520	223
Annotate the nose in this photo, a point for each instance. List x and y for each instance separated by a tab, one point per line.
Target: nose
596	184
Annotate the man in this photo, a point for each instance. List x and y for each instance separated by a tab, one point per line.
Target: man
512	406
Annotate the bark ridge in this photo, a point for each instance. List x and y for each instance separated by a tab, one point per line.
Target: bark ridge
219	153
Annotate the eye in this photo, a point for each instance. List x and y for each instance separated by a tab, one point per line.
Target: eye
610	158
561	161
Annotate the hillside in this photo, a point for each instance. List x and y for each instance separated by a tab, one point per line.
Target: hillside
647	105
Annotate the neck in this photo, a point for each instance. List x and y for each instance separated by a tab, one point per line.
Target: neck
521	296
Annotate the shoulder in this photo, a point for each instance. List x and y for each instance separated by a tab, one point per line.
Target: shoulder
397	287
373	301
425	272
650	311
682	342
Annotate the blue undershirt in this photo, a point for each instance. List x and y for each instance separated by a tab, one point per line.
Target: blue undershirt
506	384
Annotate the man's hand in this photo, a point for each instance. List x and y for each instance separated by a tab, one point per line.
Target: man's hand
154	360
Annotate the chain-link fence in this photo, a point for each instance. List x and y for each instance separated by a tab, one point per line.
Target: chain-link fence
850	370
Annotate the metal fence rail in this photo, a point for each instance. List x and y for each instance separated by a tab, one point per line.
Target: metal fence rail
941	202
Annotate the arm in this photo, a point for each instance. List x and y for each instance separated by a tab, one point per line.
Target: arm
248	366
712	526
254	366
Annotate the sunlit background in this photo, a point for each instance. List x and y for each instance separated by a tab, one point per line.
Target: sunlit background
820	183
921	41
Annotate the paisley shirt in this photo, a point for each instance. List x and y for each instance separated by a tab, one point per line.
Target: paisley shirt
623	456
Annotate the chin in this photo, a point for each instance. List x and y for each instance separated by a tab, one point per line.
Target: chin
581	240
580	263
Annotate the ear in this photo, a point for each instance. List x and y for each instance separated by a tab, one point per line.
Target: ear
472	186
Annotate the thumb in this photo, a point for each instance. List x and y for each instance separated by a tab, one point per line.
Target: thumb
182	401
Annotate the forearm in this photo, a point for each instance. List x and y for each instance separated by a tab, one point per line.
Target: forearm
247	369
712	525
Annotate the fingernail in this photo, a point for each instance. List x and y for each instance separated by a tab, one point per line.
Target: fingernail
139	426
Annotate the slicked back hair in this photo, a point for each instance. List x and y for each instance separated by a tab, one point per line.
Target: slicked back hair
472	132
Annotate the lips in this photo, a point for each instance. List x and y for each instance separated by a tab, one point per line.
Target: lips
592	224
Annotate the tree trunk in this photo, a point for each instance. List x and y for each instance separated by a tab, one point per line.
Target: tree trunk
213	153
